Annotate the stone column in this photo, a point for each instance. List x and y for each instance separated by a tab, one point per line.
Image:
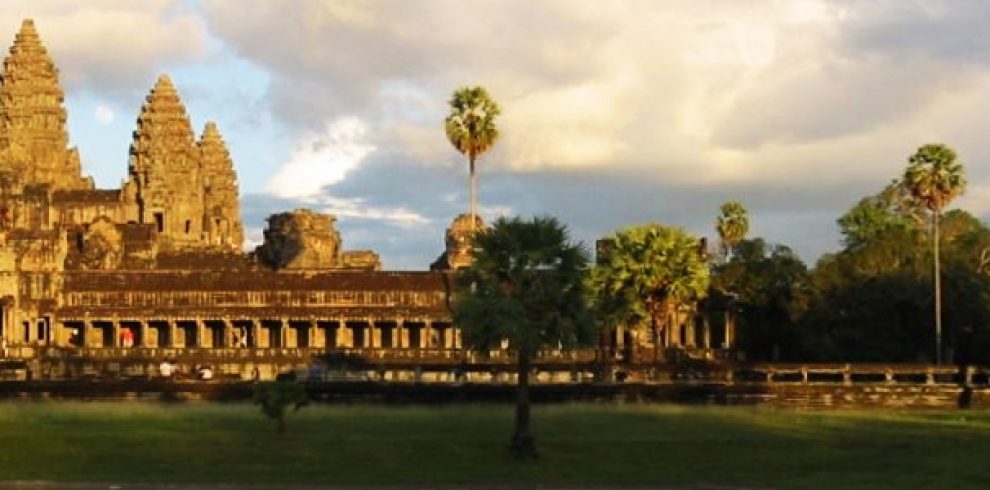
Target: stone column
311	334
228	333
116	332
173	327
690	341
143	326
334	336
375	336
706	329
402	334
726	341
86	331
255	333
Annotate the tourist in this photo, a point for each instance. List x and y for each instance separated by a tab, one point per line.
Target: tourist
165	369
205	373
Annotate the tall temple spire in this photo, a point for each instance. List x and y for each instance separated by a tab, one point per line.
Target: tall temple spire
222	221
164	166
33	137
163	125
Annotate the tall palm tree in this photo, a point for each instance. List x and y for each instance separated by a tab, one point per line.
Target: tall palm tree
526	284
471	129
934	178
732	226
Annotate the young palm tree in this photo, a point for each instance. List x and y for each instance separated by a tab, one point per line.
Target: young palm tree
732	226
649	272
526	284
471	129
934	178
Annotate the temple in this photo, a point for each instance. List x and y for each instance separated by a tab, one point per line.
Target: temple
117	279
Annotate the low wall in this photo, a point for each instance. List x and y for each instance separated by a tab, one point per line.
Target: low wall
790	396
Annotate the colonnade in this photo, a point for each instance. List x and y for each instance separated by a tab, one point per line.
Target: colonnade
285	332
693	332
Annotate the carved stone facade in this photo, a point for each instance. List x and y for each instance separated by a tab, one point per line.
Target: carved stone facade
162	257
155	269
33	139
457	254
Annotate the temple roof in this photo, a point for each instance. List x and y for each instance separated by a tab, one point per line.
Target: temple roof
163	126
256	280
31	98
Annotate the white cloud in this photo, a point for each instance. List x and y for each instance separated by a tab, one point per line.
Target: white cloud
107	45
358	208
104	115
319	160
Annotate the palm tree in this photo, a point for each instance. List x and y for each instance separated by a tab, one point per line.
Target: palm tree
526	285
934	178
471	129
732	226
648	273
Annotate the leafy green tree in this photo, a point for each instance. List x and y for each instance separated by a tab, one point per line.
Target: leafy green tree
934	178
471	128
647	273
526	285
892	210
868	301
770	284
275	398
732	226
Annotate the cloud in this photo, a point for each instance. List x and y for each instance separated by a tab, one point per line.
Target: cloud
621	112
702	93
111	46
321	159
103	114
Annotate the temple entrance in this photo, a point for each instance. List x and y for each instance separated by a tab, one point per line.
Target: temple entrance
44	331
244	330
415	330
73	333
103	332
188	333
330	331
216	330
137	334
298	334
159	333
389	332
275	335
359	332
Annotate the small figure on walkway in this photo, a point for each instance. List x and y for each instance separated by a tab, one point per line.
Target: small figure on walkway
165	369
127	337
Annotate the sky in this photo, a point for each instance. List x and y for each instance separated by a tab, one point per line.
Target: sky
614	113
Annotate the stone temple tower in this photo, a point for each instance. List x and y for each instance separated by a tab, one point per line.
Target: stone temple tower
33	136
222	219
165	181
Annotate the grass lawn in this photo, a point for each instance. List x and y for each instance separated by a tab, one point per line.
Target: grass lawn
581	445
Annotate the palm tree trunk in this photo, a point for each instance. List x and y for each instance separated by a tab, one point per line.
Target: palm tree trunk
938	292
473	187
522	444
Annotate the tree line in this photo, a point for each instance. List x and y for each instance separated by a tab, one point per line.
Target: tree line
875	300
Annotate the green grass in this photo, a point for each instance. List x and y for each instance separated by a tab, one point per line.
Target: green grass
586	445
